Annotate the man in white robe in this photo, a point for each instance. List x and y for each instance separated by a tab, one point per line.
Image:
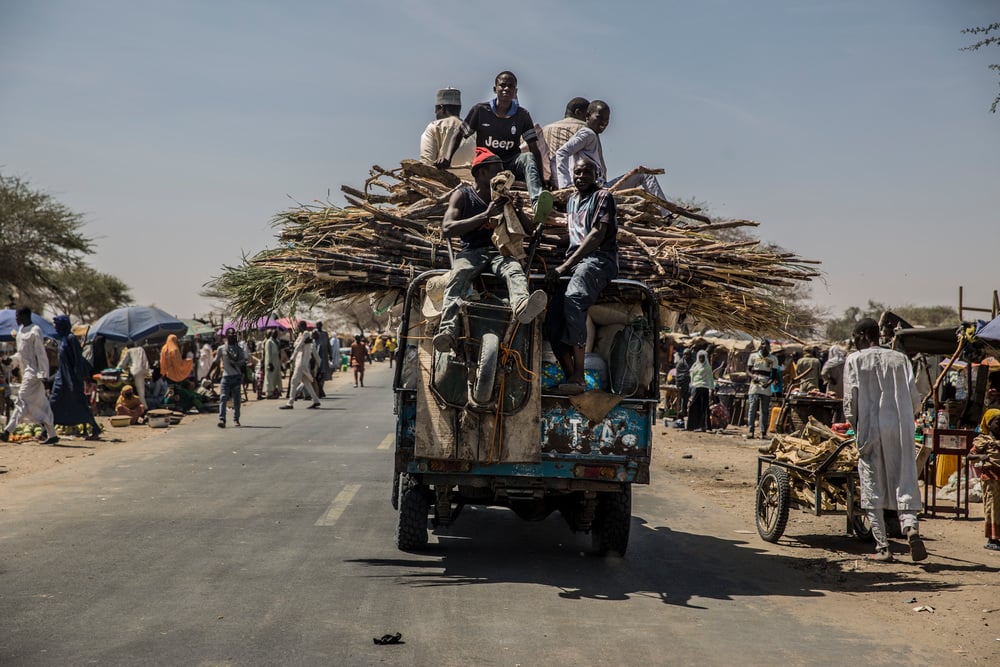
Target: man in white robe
302	377
32	404
272	365
880	401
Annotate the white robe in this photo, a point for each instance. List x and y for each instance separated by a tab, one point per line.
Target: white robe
880	401
205	360
32	404
302	376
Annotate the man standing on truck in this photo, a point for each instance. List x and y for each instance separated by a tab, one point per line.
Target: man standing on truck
468	217
880	400
591	263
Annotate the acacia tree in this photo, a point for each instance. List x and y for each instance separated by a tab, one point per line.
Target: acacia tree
38	236
987	40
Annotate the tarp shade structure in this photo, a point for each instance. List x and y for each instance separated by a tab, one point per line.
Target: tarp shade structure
136	324
8	324
989	332
292	324
196	328
940	340
260	323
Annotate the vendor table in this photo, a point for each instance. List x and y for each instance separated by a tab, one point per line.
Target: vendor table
796	410
948	442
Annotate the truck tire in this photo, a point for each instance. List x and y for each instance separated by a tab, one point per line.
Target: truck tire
394	497
411	523
486	372
772	504
612	521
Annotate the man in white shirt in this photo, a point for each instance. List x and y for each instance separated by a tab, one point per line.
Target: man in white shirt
302	377
440	133
32	404
761	366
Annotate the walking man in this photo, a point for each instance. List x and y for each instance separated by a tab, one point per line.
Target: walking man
359	353
880	401
234	360
32	405
302	354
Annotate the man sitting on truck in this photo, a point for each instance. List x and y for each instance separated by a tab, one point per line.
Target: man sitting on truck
469	217
591	262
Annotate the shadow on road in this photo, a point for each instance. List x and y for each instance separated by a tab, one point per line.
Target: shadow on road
678	568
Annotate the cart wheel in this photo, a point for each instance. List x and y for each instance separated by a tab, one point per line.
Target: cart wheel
411	524
489	349
612	520
860	525
772	503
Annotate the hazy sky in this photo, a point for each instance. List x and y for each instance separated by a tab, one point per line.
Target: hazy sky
856	132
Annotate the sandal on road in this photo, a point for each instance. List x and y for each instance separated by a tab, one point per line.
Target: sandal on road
880	556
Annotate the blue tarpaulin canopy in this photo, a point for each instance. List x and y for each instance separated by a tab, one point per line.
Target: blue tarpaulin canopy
136	324
989	331
8	324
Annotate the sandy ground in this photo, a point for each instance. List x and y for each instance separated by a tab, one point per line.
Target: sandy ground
960	580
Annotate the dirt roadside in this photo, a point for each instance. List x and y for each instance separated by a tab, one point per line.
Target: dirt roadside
960	580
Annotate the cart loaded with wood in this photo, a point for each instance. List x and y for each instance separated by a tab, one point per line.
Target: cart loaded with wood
815	470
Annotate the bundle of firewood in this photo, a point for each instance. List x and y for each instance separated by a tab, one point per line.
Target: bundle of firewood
390	232
809	449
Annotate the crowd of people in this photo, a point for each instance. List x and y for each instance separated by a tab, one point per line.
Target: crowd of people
61	382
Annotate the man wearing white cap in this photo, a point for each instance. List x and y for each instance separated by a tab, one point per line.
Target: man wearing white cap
440	133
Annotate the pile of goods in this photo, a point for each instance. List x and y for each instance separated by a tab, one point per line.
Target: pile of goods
809	449
25	432
391	232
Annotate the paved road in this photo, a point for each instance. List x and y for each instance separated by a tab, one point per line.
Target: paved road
272	544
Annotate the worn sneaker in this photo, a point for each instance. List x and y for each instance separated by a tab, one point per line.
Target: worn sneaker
51	440
286	406
221	424
750	436
314	406
444	342
918	551
4	436
530	307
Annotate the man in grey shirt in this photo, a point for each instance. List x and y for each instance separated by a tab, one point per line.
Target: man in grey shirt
234	360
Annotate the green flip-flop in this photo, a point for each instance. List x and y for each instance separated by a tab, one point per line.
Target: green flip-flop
543	207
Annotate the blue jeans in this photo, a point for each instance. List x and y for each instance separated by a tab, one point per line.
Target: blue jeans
230	387
762	403
467	266
586	282
526	169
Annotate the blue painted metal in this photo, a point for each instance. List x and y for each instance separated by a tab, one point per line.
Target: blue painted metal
625	431
548	469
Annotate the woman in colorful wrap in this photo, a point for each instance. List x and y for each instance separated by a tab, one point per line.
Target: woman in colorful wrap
986	447
173	365
129	404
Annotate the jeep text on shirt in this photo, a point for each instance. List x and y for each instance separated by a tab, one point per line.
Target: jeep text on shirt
500	135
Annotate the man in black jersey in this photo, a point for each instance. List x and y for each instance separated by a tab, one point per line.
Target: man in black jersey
469	217
499	126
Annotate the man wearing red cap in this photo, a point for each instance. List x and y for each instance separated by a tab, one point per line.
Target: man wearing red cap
469	217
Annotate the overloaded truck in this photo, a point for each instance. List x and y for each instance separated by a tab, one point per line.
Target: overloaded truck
485	425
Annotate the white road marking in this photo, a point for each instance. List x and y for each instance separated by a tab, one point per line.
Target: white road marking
339	504
387	441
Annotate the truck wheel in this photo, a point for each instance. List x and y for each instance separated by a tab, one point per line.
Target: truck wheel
486	373
612	521
411	523
772	503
